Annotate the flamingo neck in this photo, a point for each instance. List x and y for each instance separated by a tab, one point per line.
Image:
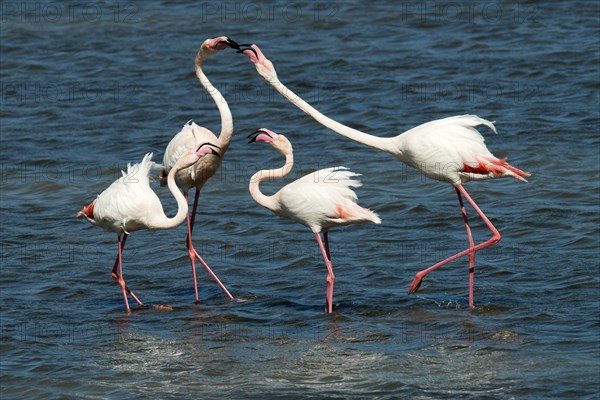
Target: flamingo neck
270	202
162	221
224	111
381	143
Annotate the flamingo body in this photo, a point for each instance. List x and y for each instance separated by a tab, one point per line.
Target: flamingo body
324	199
129	204
451	150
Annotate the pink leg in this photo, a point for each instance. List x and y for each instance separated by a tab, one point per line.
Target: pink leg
194	208
120	279
194	254
190	246
471	245
326	242
122	243
330	276
118	264
471	250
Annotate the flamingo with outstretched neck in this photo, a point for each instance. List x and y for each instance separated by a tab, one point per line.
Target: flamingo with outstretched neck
448	150
190	135
320	201
129	204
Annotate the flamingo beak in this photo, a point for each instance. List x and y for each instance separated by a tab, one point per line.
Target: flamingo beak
211	147
261	135
244	47
230	43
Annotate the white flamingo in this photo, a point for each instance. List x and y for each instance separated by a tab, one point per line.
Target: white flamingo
320	201
129	204
192	134
449	150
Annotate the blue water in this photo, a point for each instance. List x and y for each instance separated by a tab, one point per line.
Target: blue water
88	87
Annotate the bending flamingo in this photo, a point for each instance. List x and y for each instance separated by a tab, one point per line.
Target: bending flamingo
189	137
321	200
129	204
449	150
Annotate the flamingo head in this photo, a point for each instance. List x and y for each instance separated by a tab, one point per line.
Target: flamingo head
205	149
279	142
191	157
263	65
211	46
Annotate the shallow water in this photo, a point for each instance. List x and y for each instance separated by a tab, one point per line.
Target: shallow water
88	87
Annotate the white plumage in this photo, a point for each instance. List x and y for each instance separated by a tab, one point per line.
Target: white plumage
451	150
129	203
324	199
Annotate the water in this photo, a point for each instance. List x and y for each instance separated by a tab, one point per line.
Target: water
90	86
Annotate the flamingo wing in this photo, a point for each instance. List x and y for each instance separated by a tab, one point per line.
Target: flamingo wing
324	199
127	203
450	149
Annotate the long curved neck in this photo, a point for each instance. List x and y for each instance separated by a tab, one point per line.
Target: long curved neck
269	202
164	222
226	118
381	143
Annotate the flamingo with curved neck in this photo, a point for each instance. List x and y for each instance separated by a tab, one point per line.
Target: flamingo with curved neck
129	204
191	134
449	150
320	201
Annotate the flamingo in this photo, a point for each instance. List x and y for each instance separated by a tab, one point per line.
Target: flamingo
129	204
190	135
320	201
448	150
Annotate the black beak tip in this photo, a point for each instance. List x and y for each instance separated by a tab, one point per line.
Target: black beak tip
253	135
233	44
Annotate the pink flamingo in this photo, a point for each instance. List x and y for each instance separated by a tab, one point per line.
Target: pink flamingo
129	204
320	201
449	150
189	137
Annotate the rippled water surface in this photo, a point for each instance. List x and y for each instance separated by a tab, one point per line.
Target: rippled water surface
88	87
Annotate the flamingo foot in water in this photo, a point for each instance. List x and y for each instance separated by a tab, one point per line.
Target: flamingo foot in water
416	284
117	278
